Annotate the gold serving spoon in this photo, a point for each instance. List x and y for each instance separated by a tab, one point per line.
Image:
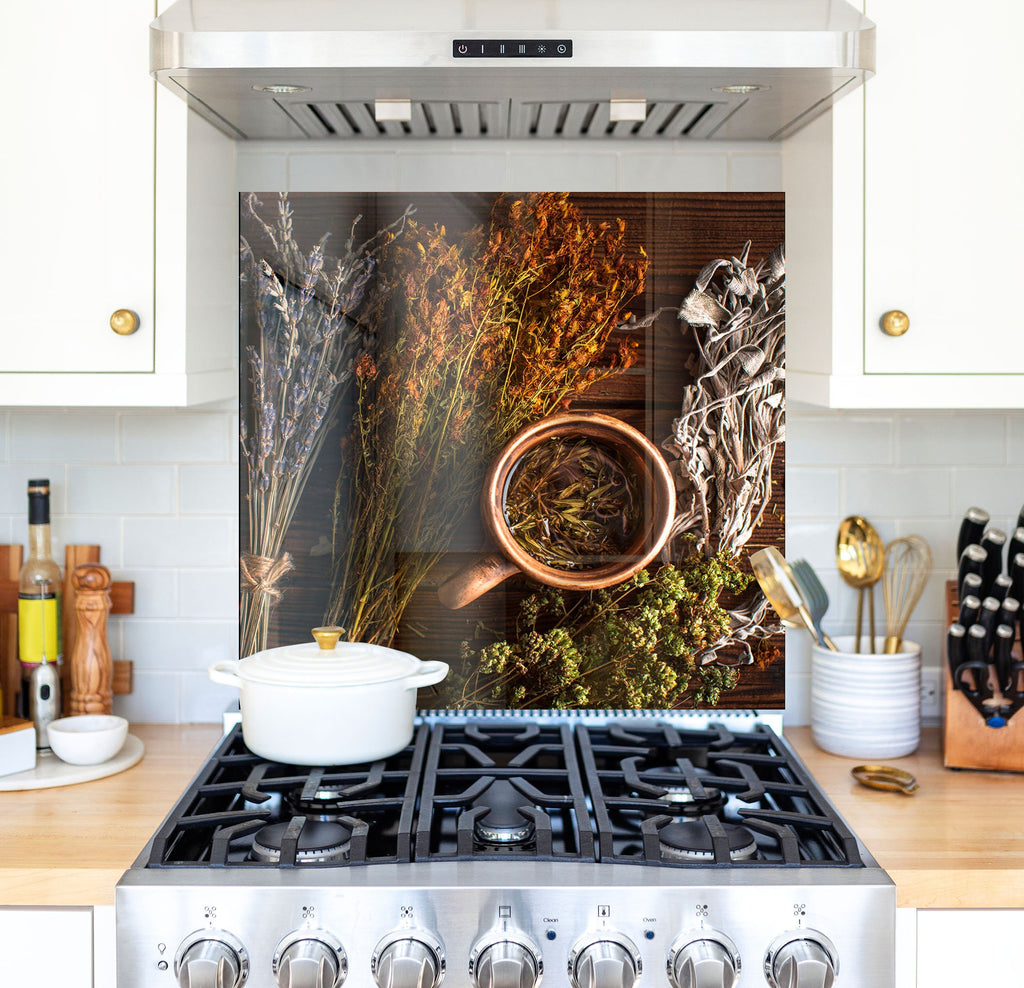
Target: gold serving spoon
776	581
860	559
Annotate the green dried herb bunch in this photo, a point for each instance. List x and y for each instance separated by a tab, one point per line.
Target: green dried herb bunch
487	332
634	646
306	311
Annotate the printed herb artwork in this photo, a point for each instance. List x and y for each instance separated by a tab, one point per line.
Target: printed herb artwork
456	328
572	504
303	305
487	332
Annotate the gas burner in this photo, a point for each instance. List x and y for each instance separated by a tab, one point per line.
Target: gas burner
326	803
502	824
318	843
682	802
691	841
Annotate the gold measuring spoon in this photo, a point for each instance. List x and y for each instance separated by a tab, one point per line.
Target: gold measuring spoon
885	777
776	580
860	559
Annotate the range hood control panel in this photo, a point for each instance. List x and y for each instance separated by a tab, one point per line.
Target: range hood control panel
512	48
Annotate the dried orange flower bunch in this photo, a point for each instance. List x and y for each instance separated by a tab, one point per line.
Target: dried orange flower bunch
485	333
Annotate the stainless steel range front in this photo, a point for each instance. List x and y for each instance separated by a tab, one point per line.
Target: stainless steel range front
598	851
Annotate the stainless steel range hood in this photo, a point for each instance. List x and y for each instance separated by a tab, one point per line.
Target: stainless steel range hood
497	69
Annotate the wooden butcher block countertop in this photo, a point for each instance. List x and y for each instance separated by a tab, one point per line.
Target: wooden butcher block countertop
958	843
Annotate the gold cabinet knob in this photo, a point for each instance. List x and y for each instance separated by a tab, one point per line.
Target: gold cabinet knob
895	323
124	322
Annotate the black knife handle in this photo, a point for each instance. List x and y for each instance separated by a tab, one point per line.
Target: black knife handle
972	560
1002	660
977	663
1009	612
988	618
1016	546
1016	570
956	652
971	587
970	608
971	528
1001	586
1020	518
993	542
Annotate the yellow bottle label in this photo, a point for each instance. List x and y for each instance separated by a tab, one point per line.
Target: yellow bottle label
38	629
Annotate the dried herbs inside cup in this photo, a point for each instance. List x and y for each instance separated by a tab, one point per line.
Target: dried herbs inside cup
571	503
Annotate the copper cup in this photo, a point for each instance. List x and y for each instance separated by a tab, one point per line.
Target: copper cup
636	452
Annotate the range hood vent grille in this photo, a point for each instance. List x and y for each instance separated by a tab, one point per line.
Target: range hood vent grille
355	120
591	119
572	119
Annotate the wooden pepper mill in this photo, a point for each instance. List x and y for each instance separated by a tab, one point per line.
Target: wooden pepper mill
92	669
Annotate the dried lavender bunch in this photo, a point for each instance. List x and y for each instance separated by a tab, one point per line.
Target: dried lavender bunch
305	308
733	418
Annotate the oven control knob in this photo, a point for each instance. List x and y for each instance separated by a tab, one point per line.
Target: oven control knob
707	960
801	959
310	959
509	961
409	959
607	961
211	959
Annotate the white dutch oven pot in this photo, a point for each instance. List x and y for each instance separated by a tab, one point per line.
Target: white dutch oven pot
328	703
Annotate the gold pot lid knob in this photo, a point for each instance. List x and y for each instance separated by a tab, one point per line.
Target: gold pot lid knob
327	637
124	322
895	323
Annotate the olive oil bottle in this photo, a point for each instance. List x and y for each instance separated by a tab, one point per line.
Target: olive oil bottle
39	593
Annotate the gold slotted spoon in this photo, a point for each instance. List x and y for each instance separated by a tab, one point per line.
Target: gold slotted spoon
860	559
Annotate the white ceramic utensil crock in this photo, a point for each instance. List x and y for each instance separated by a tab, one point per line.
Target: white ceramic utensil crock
328	704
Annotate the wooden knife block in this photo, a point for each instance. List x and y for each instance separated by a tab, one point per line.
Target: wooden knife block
122	595
967	741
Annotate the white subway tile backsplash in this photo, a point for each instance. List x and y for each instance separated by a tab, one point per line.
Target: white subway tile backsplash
76	437
811	540
179	645
203	701
156	592
209	490
896	493
443	172
574	171
178	542
208	593
261	171
755	172
813	440
117	489
999	490
155	698
654	172
1015	439
340	172
101	530
174	437
14	478
927	439
812	493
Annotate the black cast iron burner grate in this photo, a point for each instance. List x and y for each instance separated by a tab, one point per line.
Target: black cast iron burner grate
638	792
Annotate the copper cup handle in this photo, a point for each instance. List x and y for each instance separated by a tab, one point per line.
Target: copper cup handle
475	579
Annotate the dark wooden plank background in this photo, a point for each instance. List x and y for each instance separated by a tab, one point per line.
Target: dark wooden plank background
681	232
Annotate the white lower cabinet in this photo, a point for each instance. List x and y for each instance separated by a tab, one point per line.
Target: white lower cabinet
969	947
48	948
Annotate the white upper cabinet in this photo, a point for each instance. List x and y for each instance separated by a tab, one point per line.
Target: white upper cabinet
907	198
97	220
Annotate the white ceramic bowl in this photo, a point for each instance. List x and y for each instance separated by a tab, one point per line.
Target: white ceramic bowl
88	739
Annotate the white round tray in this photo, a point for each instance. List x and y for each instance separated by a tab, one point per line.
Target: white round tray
50	771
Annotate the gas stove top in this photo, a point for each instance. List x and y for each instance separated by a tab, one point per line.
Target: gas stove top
644	793
494	852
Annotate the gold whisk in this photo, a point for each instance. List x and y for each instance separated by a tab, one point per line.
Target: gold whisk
908	564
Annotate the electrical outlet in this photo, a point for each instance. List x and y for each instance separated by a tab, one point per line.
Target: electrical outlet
931	694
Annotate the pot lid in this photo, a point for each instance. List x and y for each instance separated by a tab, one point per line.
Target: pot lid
341	664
